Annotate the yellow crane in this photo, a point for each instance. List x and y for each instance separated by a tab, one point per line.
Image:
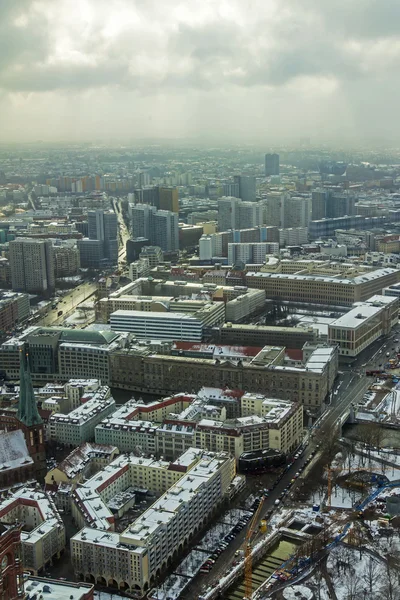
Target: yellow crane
248	563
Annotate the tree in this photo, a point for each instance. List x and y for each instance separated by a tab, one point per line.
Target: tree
390	589
372	574
352	583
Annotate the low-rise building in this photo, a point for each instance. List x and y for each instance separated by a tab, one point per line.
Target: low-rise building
39	587
78	426
363	324
262	335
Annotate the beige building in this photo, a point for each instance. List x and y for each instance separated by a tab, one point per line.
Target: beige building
308	383
43	533
81	463
363	324
316	289
134	559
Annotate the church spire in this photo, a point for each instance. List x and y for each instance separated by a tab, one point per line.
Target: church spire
27	408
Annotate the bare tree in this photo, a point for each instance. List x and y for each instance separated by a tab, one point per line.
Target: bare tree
372	574
390	589
352	583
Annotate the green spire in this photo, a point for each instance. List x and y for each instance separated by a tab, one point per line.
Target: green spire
27	408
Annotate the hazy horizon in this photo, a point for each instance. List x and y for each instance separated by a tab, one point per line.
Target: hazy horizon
217	70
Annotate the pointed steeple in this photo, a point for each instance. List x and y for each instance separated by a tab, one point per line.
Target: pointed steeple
27	408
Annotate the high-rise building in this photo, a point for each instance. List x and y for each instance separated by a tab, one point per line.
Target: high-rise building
318	201
273	209
231	189
233	213
247	187
166	230
168	199
296	212
271	164
160	227
340	205
103	225
32	266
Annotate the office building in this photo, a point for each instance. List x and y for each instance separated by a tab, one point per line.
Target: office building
78	426
168	199
134	558
247	187
340	205
363	324
162	325
273	208
57	353
263	335
103	225
267	373
153	254
139	268
320	289
32	266
271	164
160	227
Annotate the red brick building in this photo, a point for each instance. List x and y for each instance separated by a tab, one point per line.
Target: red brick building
11	570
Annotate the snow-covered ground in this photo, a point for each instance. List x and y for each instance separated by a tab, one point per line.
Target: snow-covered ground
171	589
298	592
107	596
192	563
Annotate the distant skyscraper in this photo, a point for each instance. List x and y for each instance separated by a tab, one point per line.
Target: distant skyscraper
141	217
32	266
231	189
168	199
247	187
103	226
318	200
271	164
233	213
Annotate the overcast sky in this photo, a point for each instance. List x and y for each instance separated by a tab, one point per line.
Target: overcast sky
229	70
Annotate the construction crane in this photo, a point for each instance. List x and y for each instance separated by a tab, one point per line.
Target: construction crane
248	564
345	472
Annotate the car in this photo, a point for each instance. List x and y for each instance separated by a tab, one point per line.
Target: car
277	502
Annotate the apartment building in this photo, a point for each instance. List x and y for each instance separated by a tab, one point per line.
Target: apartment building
14	308
78	426
317	289
66	260
363	324
43	532
263	335
111	492
135	558
32	266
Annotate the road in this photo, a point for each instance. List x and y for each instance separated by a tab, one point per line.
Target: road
350	387
122	230
68	304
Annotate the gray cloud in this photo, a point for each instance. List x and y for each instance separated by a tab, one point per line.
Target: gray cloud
184	64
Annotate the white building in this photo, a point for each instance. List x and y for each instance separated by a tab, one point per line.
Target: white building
363	324
250	253
76	388
293	236
78	426
32	266
43	534
134	559
162	325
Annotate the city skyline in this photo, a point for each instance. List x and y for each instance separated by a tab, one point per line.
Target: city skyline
252	72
